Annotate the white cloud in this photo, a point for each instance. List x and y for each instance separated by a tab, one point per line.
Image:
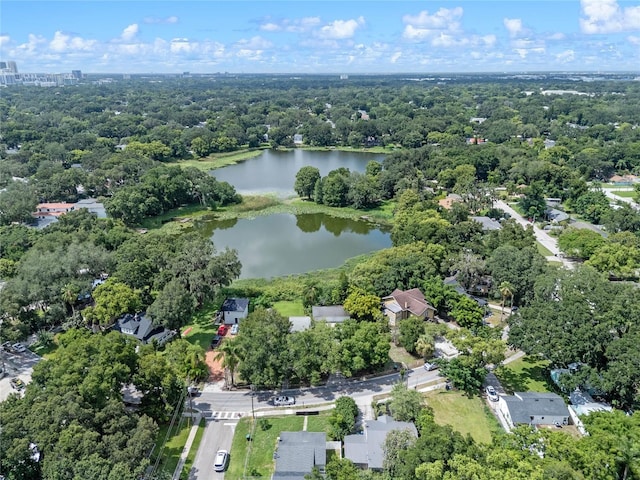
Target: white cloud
130	32
63	42
606	16
161	21
395	57
556	36
341	29
634	40
566	56
4	40
297	25
255	43
513	25
443	19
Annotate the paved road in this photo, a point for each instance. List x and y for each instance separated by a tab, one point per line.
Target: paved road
17	365
218	435
549	242
612	195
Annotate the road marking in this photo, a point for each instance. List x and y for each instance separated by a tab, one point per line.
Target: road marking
225	415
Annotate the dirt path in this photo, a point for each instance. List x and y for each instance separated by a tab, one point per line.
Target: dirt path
216	372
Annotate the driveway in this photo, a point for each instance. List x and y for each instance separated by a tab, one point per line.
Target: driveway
17	365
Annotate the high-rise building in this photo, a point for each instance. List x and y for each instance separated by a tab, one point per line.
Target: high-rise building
77	74
12	66
3	65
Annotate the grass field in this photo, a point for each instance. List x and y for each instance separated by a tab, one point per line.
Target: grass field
624	193
289	309
318	423
218	160
400	355
260	460
173	448
465	415
524	375
201	328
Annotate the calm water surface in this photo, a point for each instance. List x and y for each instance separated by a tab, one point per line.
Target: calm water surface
284	244
275	171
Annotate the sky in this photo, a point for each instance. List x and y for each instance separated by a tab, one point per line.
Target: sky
320	36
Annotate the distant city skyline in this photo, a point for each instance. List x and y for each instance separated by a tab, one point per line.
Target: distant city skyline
328	36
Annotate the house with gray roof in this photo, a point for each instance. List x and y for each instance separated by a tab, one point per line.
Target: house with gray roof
366	449
533	408
488	224
234	309
299	324
142	328
330	314
403	304
297	453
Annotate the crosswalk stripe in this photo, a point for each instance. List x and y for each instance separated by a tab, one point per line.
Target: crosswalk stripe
225	415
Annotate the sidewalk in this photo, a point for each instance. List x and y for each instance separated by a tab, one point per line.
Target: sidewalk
187	447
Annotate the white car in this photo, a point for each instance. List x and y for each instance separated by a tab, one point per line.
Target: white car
492	394
18	347
235	329
221	461
283	400
430	366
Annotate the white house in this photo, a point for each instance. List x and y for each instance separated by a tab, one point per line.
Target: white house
234	309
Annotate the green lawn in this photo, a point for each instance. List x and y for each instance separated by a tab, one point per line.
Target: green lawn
202	327
260	461
399	355
465	415
318	423
290	309
173	448
624	193
544	251
524	375
184	475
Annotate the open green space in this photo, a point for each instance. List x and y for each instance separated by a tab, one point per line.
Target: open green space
464	414
201	328
258	453
184	475
524	375
624	193
399	355
289	308
318	423
173	448
218	160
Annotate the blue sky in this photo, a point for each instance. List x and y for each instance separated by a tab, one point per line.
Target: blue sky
328	36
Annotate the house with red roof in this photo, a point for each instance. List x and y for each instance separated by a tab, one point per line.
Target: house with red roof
403	304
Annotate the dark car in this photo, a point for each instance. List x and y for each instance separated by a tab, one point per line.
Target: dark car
215	341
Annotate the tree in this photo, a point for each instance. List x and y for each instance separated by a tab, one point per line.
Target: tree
306	179
411	329
580	243
405	404
469	269
518	266
395	445
111	300
466	312
342	420
172	307
229	354
425	346
17	203
506	290
362	305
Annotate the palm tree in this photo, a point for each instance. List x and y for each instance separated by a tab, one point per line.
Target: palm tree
506	290
424	346
229	354
70	294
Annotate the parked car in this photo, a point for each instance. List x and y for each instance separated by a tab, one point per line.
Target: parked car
429	366
18	347
283	400
221	461
192	390
215	341
492	394
17	384
235	329
222	330
7	347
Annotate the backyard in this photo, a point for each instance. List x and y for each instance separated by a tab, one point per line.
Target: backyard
524	375
467	415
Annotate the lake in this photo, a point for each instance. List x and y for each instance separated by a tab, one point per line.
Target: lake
275	171
285	244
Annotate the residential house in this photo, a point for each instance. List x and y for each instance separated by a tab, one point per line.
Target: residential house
488	224
366	450
234	309
142	328
556	216
297	139
449	200
297	453
47	213
533	408
482	288
95	207
403	304
331	314
583	404
299	324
